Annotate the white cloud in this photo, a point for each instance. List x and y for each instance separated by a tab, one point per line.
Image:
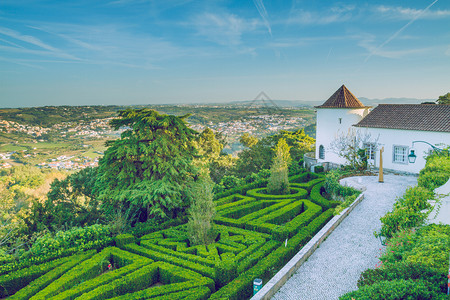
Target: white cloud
406	13
31	45
334	14
223	29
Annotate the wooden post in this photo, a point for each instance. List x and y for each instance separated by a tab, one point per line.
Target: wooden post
380	173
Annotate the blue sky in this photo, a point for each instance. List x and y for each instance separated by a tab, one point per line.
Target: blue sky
179	51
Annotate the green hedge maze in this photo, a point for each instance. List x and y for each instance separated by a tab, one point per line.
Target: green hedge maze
256	234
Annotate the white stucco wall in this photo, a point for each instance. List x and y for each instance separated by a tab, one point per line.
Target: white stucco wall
388	138
330	123
329	126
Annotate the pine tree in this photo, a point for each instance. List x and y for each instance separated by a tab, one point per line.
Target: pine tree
278	181
150	166
201	212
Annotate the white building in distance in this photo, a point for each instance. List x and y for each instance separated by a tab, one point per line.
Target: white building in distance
400	129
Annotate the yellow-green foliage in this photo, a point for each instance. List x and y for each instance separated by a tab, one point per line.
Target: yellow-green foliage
435	173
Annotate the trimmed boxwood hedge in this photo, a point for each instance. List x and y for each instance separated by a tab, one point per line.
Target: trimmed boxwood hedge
304	177
35	260
289	229
43	281
308	185
80	276
123	239
241	287
12	282
200	293
317	198
232	200
228	265
175	280
157	256
248	212
259	193
242	189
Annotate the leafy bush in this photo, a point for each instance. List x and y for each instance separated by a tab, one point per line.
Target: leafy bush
123	239
435	173
348	200
397	289
74	237
400	218
319	169
404	270
407	211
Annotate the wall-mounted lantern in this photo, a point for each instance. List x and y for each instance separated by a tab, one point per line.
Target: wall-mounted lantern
412	157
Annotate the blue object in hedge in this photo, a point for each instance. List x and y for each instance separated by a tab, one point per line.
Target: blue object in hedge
257	285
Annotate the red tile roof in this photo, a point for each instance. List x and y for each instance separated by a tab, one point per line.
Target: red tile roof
342	98
426	117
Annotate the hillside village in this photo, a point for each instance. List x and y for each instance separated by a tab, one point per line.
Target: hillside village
99	129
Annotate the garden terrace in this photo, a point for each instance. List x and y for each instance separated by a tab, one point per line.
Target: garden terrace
255	235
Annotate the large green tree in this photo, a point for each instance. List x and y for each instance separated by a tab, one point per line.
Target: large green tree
150	166
444	99
260	155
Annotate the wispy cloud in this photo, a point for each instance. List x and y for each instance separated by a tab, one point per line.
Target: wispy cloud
407	13
263	13
224	29
25	38
32	44
334	14
106	44
398	32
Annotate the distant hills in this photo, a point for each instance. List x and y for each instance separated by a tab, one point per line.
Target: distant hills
302	103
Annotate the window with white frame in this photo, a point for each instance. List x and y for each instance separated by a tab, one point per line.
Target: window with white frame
400	154
370	150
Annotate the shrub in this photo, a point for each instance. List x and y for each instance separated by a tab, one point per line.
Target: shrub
431	247
347	202
178	283
404	270
263	193
316	197
415	198
49	277
400	218
204	270
74	237
318	169
123	239
12	282
332	185
397	289
84	277
431	180
154	225
61	252
242	189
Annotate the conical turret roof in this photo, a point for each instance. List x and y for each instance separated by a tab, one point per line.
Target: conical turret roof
342	98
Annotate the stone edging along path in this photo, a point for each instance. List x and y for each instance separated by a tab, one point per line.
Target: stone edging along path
274	284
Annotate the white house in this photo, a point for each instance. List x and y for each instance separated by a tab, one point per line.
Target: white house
400	129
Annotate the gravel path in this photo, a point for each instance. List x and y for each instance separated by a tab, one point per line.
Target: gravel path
335	266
